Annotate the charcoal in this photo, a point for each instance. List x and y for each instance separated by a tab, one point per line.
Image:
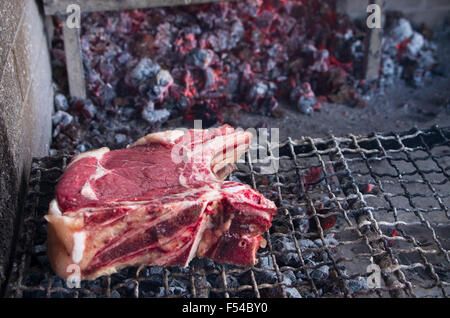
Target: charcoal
61	102
115	294
292	292
265	19
237	32
106	70
306	105
177	287
218	40
311	263
160	292
196	63
269	105
401	30
388	67
266	262
88	110
288	277
83	146
39	249
331	241
164	38
261	277
301	225
300	276
415	44
318	242
43	260
305	244
210	78
179	269
202	110
155	270
266	276
124	58
53	152
357	50
62	118
120	138
286	25
283	244
428	61
58	282
125	114
151	286
321	273
257	91
163	78
199	58
290	259
202	287
273	292
155	116
245	278
159	85
414	55
232	281
144	70
206	264
356	285
324	256
107	94
418	78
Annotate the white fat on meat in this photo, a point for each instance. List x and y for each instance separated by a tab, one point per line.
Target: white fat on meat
205	223
235	189
55	214
54	208
79	239
183	181
162	137
87	190
97	153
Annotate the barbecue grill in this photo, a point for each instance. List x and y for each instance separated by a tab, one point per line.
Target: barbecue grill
387	193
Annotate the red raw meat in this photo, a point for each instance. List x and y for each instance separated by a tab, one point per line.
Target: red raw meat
161	201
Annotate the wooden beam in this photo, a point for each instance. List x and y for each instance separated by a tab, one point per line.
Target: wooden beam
74	64
372	51
53	7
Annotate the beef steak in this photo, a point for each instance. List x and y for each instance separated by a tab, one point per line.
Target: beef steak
160	201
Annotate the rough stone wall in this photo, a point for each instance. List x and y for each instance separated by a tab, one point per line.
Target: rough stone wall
434	13
26	103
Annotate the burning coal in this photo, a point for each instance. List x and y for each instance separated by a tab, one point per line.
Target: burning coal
146	67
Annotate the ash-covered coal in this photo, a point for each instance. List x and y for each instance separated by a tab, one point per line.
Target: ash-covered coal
199	62
407	54
215	61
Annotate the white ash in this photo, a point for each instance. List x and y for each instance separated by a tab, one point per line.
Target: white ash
61	102
401	30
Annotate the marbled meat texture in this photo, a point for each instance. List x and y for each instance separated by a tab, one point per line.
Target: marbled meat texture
160	201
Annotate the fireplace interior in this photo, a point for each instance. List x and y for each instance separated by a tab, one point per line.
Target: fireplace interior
364	163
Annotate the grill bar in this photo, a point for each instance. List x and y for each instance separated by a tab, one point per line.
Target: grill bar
388	193
369	227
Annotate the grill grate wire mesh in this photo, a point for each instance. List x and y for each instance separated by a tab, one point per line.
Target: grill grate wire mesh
389	194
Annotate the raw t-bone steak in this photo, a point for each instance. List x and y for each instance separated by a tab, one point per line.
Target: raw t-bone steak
161	201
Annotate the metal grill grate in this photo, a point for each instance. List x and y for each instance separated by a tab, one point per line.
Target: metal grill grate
389	194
